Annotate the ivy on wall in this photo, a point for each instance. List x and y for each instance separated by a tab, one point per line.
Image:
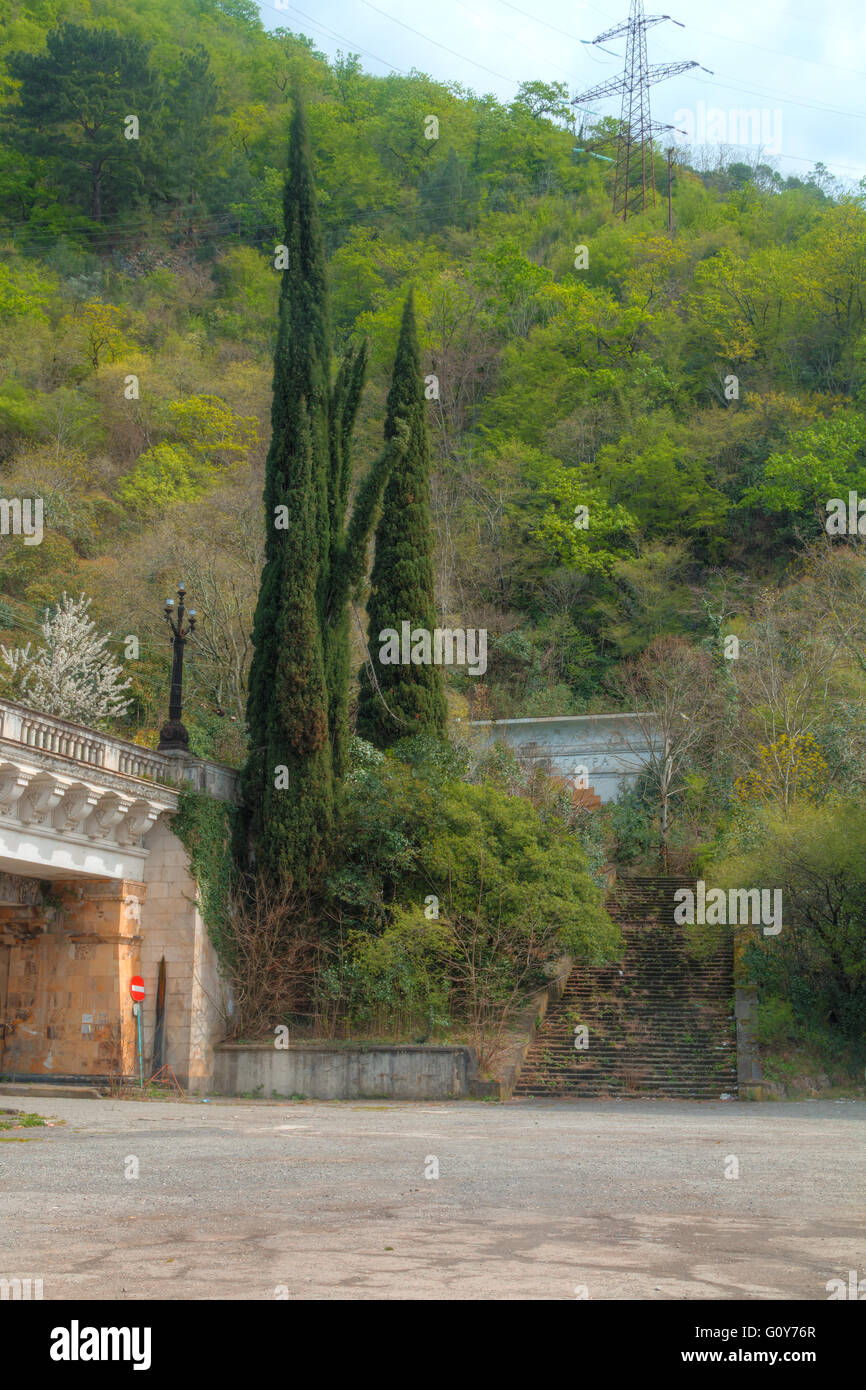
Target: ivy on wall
204	827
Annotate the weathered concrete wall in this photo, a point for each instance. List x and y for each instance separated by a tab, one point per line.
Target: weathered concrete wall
749	1073
339	1072
195	992
610	747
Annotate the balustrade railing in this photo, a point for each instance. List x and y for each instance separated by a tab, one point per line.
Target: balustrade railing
44	732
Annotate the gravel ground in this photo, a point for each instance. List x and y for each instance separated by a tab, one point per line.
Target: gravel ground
259	1200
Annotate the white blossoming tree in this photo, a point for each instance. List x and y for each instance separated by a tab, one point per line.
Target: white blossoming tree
71	674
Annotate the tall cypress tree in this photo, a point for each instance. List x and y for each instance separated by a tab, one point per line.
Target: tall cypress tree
288	780
403	699
299	677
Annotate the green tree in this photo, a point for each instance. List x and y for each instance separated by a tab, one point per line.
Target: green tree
288	779
824	461
399	699
192	104
546	99
210	437
815	856
73	103
447	195
580	527
297	709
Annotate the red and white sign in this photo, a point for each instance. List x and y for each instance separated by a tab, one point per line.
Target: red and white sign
136	988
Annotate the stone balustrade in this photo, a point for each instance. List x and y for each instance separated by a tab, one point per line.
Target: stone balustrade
48	734
75	801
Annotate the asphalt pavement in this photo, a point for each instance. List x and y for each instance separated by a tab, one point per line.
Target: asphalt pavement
122	1199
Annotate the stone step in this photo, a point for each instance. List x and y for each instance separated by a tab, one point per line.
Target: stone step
46	1089
659	1020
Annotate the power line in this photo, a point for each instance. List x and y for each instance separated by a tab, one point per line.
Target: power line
777	52
212	226
634	187
745	90
711	34
537	20
332	33
454	54
565	71
757	91
784	96
215	226
760	90
33	626
804	19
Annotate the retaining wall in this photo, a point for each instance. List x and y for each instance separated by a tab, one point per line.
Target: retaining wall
322	1071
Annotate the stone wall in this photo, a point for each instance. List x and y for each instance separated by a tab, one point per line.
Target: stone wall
95	888
323	1071
196	997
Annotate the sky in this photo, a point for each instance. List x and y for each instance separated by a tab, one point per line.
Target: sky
801	67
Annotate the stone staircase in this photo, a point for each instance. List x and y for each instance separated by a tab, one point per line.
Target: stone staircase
660	1020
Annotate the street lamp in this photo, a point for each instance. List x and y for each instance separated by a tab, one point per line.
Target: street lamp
173	737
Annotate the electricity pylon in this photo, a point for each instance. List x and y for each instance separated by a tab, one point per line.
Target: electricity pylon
634	182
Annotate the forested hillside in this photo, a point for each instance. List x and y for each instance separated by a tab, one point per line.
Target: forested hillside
138	293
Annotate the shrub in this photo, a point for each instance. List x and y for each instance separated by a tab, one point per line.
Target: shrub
816	855
776	1024
450	897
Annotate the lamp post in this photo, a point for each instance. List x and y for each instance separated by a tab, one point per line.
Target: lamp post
173	737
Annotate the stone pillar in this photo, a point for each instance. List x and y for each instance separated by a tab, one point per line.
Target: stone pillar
195	991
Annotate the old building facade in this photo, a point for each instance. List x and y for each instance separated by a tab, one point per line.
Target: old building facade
95	888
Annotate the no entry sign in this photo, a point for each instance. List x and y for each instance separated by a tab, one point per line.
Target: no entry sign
136	988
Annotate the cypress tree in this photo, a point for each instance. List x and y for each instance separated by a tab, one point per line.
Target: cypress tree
403	699
288	781
299	678
345	399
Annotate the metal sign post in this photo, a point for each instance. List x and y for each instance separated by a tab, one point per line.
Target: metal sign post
136	1009
136	989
